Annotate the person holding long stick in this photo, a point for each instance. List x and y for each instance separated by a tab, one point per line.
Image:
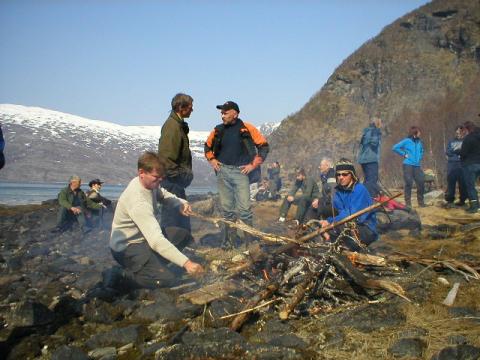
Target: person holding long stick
350	197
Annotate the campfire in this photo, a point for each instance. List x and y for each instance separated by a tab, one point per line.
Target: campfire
296	277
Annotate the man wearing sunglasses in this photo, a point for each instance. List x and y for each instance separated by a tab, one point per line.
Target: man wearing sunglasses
350	197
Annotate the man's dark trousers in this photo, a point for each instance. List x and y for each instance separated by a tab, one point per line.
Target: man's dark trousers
302	203
454	176
370	172
171	216
471	173
147	269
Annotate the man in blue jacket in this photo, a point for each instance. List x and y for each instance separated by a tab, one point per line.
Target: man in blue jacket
351	197
454	170
369	155
411	149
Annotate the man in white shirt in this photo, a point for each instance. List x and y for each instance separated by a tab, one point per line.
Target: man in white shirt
137	242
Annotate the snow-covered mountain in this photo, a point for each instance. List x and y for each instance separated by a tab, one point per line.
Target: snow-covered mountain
46	145
268	128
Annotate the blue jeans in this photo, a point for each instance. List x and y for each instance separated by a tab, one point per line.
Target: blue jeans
471	173
370	171
234	191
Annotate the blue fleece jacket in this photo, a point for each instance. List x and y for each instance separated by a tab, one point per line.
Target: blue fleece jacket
411	150
349	201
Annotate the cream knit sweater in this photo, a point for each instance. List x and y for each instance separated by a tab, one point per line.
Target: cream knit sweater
134	221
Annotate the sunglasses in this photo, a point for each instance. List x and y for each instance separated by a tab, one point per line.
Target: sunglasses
343	174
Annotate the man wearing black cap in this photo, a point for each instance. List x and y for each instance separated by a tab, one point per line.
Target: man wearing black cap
174	148
94	193
235	149
351	197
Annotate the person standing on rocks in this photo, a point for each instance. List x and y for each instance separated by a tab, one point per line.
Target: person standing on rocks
74	205
235	149
351	197
411	149
310	192
454	170
174	147
369	155
137	242
470	158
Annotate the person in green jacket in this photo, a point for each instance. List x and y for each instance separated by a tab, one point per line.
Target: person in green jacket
174	148
74	205
310	191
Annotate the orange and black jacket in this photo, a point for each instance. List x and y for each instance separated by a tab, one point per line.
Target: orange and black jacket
254	146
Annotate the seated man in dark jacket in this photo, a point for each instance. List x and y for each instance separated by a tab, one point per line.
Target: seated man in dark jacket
310	191
321	207
351	197
94	194
73	206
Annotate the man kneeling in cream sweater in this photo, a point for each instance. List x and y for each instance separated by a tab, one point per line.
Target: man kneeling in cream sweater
137	242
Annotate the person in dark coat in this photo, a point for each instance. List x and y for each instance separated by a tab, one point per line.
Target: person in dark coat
321	207
470	158
309	192
455	171
369	155
174	148
94	194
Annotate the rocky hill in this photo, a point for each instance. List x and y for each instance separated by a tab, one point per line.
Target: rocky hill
422	69
45	145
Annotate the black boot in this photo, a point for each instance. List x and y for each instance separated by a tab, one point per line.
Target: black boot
228	235
473	209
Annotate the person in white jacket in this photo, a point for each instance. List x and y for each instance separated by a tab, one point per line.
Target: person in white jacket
137	242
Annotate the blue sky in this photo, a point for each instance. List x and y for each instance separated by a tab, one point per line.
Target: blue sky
122	61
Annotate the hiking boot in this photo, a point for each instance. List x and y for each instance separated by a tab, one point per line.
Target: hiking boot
460	203
473	209
449	205
423	205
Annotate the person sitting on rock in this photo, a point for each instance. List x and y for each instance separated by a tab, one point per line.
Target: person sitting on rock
74	205
310	191
137	242
350	197
95	196
321	207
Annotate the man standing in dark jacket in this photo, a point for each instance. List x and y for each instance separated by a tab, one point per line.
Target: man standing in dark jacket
454	170
310	192
73	205
369	155
174	147
470	157
235	149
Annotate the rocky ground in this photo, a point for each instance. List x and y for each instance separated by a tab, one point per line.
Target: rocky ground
53	304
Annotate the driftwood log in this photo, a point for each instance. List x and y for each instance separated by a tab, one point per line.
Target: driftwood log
240	319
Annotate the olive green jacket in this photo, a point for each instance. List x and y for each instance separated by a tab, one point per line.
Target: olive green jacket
66	198
308	187
174	147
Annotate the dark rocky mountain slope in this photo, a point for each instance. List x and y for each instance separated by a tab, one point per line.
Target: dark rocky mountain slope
422	69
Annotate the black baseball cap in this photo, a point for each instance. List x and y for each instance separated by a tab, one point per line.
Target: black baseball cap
229	105
95	181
